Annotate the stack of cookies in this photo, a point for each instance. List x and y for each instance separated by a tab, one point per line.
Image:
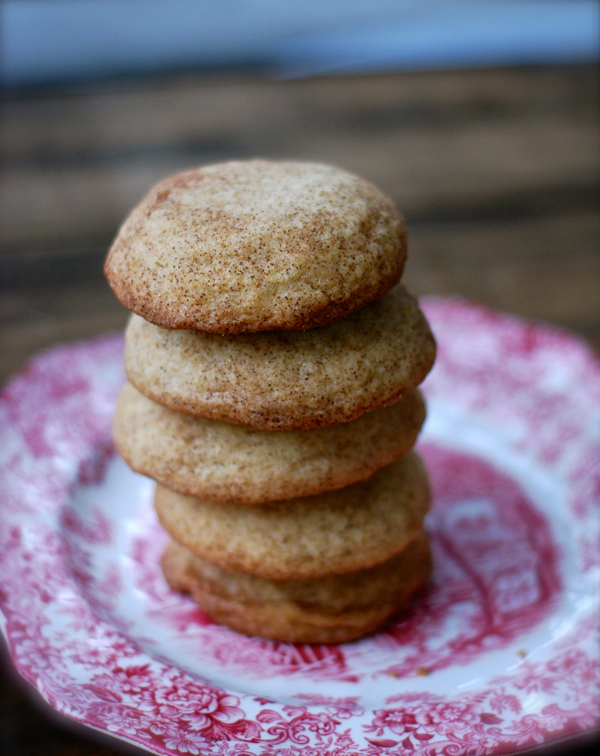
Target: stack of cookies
273	365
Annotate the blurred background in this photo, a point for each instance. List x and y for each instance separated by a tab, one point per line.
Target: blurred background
478	117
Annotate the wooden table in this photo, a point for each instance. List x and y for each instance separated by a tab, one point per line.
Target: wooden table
496	172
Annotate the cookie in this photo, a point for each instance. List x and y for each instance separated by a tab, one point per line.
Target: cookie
256	246
237	463
281	380
328	609
331	533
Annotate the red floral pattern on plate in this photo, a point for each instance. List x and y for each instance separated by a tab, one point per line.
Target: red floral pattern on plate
499	655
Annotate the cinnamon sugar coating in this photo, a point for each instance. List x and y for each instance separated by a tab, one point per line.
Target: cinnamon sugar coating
327	609
282	380
331	533
237	463
255	246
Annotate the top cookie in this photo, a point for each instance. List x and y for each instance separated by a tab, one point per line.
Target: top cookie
256	246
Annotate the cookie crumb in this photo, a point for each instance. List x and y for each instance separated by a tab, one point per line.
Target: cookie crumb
521	653
422	671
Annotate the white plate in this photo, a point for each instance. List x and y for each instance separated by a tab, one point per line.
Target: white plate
499	655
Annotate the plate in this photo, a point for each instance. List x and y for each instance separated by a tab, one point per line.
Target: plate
499	655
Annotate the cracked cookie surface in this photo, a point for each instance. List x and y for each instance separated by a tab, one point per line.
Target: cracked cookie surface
255	246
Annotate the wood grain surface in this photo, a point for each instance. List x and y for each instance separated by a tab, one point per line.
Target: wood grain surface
496	172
